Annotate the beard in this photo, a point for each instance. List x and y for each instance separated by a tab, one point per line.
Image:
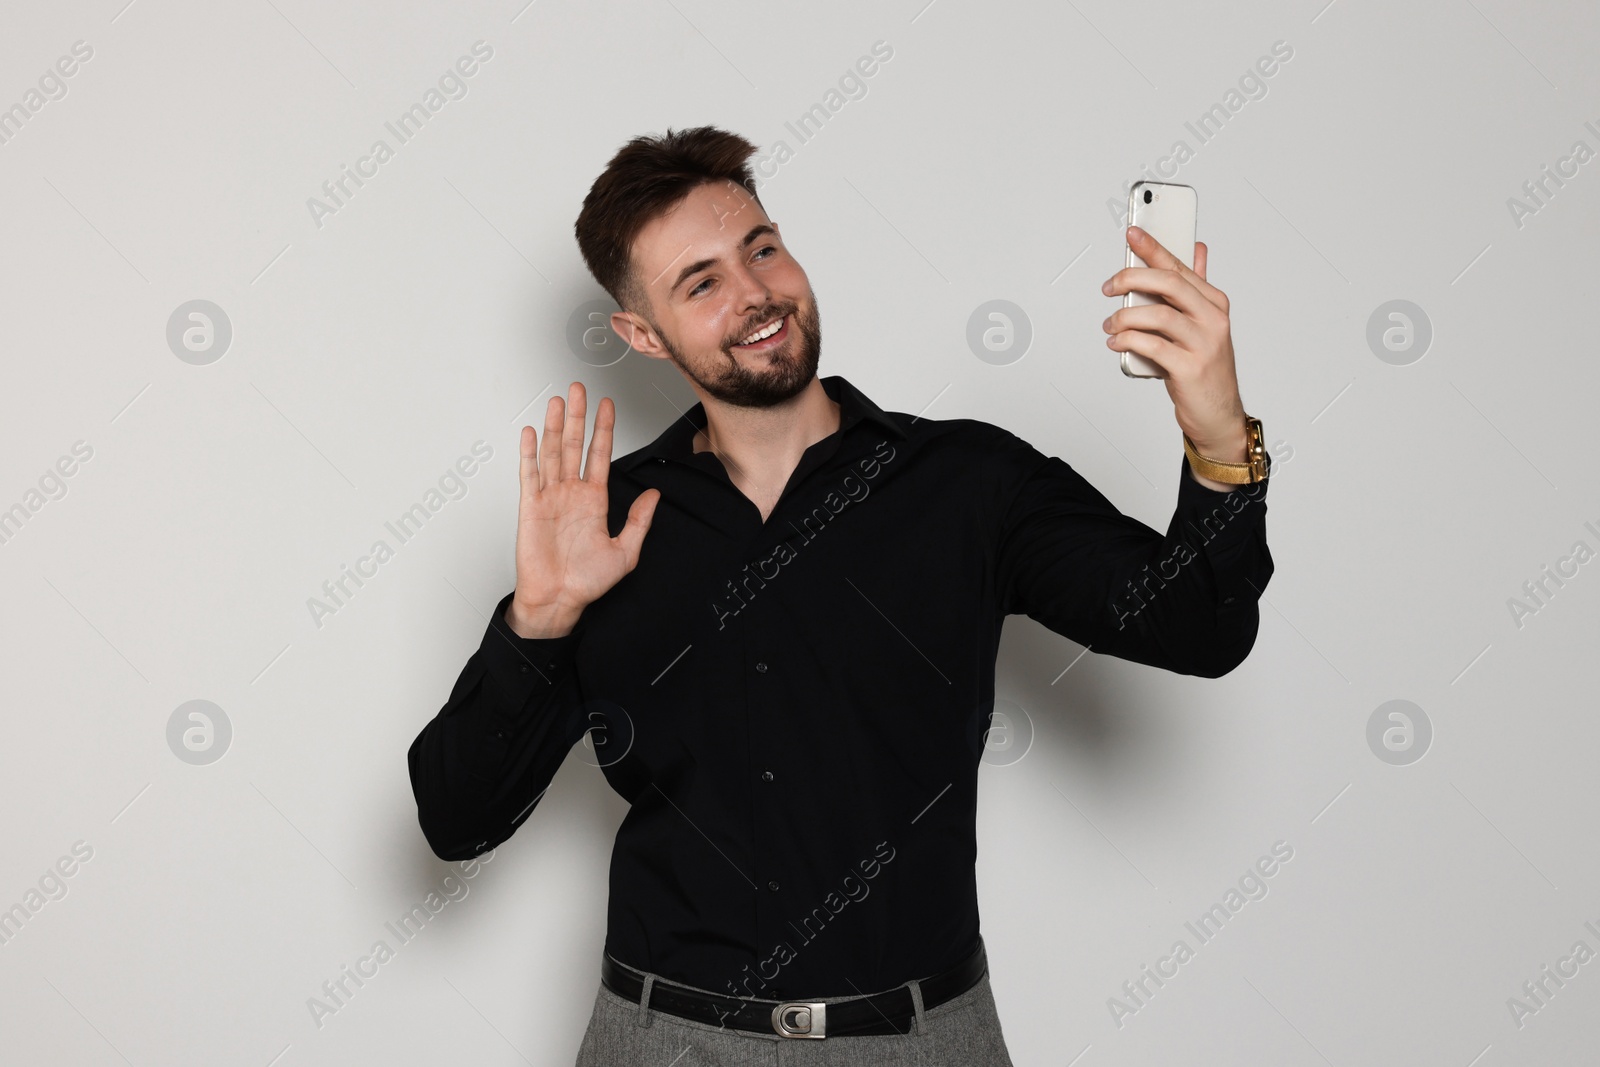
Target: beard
789	367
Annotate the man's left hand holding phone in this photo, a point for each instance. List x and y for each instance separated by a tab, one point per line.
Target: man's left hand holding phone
1189	336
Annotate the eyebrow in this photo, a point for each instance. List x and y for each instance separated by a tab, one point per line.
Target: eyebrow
702	264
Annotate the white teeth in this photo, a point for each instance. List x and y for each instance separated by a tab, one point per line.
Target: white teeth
767	332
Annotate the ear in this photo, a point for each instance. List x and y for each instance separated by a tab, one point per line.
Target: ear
635	334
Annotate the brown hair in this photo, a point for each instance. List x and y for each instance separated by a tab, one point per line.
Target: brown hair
646	177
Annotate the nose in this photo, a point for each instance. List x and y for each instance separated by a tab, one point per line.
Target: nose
755	294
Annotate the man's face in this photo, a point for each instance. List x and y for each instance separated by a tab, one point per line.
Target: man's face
716	271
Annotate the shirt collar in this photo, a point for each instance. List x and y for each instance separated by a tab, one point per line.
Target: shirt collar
677	440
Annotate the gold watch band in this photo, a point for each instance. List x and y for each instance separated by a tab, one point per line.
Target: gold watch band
1254	469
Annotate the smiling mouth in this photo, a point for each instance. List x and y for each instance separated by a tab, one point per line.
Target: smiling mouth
769	342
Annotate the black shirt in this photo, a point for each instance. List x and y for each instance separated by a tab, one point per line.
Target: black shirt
795	709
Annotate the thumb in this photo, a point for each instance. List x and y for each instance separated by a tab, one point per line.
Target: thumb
640	515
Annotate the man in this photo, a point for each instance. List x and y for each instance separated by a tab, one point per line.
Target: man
790	677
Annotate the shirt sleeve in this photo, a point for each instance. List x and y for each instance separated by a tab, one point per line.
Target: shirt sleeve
483	762
1184	601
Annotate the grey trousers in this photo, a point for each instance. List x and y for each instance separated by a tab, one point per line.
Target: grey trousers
962	1032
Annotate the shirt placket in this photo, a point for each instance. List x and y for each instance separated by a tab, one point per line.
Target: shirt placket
763	773
773	820
762	664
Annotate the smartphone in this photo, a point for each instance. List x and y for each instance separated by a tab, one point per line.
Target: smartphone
1167	213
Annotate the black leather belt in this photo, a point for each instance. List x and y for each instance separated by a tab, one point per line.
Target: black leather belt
888	1012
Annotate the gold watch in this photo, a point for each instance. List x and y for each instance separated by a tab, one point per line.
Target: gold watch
1254	469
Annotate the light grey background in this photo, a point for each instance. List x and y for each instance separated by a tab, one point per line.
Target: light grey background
430	312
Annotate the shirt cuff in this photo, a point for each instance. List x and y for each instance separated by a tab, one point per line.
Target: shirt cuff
524	667
1229	528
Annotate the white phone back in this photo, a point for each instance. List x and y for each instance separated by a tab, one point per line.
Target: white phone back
1170	219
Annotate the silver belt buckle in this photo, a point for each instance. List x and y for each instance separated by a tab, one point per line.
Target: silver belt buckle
801	1018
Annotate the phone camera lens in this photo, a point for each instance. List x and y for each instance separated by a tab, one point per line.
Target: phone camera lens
1148	196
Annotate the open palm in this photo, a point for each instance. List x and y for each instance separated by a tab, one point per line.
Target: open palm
566	556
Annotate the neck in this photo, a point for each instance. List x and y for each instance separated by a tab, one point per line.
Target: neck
762	446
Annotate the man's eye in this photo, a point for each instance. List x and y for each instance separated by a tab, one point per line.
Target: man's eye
766	248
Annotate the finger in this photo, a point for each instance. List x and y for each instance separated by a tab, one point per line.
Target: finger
1163	283
1154	318
528	465
1200	260
1154	347
550	452
1160	257
1152	251
631	536
598	467
572	433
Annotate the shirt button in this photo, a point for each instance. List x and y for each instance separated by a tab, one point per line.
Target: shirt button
766	776
762	667
772	886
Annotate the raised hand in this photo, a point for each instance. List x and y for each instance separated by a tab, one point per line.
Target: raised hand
1189	336
566	556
